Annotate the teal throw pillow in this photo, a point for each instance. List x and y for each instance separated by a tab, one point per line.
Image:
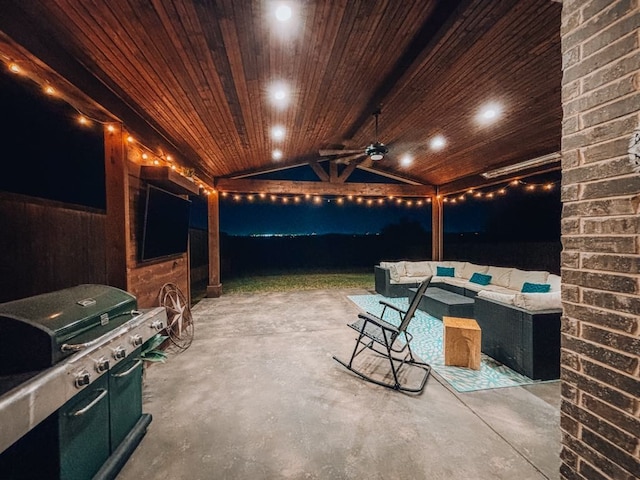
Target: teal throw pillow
445	271
535	287
480	278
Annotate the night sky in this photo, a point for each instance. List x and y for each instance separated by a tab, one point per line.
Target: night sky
48	154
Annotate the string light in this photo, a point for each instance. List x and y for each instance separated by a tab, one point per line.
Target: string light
86	120
529	187
317	199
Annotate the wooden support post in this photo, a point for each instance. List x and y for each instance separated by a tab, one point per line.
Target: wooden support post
117	220
214	289
436	228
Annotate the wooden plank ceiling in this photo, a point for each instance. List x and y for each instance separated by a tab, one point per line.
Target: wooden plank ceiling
198	75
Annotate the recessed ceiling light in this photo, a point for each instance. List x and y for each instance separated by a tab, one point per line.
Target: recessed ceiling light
277	132
406	160
283	13
276	154
279	94
437	143
489	113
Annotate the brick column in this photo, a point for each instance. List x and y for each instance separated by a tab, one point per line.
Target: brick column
601	240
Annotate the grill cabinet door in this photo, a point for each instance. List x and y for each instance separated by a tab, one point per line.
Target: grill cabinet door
125	397
84	432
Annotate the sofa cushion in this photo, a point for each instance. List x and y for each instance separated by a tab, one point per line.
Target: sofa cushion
458	266
407	280
507	298
480	278
459	282
538	301
535	287
445	271
474	287
554	281
500	276
497	289
396	270
418	269
468	269
518	277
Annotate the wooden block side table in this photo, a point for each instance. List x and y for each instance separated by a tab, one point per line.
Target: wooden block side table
462	342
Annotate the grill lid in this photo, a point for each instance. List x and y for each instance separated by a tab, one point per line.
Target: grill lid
33	330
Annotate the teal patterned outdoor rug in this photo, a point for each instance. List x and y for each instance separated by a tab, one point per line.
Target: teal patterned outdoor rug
427	334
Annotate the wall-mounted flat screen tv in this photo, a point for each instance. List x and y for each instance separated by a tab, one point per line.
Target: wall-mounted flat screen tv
165	228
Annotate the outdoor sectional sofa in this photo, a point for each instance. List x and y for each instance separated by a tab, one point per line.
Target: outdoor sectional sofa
519	329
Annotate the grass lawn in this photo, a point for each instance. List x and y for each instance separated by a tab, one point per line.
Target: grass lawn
298	281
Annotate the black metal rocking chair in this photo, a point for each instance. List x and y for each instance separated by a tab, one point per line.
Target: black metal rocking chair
373	330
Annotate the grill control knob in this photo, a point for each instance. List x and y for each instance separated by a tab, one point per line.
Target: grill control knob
157	325
83	379
102	365
136	340
119	352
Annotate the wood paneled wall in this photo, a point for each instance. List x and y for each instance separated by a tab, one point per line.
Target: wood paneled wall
47	246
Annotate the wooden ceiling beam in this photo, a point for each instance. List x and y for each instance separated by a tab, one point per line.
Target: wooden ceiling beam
346	173
322	188
319	171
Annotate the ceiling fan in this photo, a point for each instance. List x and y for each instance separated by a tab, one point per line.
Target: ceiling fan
375	151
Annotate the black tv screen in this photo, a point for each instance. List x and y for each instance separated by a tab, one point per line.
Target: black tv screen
166	224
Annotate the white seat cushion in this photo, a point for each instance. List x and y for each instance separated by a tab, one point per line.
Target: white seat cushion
555	281
405	280
499	276
470	268
538	301
498	289
507	298
459	282
418	269
518	277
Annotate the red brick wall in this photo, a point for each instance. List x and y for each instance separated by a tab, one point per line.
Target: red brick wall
601	240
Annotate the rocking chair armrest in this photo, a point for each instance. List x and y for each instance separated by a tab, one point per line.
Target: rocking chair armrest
378	322
392	306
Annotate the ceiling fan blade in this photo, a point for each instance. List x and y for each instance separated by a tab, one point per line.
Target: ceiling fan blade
325	153
349	158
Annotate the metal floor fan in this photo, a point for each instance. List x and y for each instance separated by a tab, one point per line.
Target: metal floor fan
179	319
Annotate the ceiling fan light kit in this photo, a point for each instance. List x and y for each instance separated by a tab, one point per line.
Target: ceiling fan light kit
376	151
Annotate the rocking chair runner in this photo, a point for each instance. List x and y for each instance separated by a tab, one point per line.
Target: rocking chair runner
373	330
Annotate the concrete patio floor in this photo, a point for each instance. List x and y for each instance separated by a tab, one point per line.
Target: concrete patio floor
258	396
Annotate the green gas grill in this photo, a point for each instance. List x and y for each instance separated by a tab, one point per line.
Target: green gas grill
79	350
